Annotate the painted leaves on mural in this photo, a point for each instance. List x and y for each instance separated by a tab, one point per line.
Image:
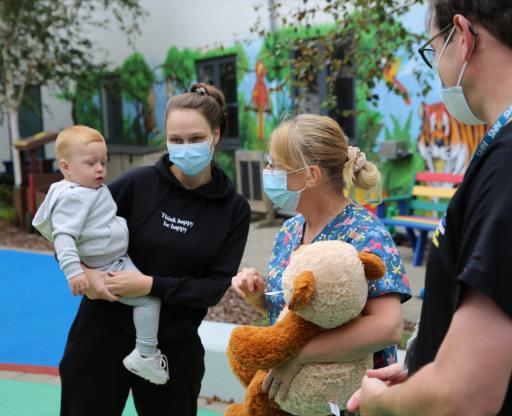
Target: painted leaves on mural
359	38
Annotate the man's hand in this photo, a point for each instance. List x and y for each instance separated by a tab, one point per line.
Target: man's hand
366	397
97	288
390	375
78	284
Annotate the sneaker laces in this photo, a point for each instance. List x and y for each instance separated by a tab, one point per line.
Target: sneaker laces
164	364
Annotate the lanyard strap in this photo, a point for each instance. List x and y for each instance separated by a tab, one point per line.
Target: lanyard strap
491	134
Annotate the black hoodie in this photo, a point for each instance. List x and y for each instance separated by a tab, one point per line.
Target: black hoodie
190	241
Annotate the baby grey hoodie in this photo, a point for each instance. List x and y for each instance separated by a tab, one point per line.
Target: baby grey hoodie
83	226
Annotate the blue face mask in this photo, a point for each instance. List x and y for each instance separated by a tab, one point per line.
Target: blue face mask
275	185
192	158
453	97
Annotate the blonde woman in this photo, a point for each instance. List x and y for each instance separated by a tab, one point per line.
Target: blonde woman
310	170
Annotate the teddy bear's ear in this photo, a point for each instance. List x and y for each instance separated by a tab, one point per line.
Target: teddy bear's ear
303	289
374	267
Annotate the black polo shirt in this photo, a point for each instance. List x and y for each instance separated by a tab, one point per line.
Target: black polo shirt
472	247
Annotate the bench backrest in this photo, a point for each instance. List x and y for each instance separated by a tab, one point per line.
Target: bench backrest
434	198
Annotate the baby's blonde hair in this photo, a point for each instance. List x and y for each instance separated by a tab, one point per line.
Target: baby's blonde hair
71	136
309	139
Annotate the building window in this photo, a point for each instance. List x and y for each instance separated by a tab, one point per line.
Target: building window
309	98
31	112
30	117
112	110
221	72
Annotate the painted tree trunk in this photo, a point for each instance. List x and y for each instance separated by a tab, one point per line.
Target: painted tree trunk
15	135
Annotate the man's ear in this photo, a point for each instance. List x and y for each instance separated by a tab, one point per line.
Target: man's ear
314	176
467	38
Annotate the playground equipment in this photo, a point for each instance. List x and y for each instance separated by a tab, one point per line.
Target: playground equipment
37	176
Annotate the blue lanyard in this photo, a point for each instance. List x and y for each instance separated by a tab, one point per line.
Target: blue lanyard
491	134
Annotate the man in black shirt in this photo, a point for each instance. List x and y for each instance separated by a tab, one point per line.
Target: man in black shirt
461	361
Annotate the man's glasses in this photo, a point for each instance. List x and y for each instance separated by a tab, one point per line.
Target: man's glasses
427	52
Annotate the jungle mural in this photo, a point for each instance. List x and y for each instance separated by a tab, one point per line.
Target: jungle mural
445	143
434	139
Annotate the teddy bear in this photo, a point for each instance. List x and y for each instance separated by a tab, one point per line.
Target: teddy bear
325	286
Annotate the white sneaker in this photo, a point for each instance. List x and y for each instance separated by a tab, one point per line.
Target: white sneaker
154	368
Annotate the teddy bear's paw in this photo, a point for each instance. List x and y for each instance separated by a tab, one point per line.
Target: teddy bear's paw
235	409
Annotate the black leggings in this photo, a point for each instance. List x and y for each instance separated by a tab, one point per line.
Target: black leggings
95	382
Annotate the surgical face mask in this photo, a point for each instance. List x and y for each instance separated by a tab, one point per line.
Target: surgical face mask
453	97
192	158
275	185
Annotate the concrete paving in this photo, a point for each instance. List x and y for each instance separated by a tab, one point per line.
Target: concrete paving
256	255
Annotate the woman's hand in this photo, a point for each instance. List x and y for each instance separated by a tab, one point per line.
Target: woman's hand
249	285
97	288
128	283
278	379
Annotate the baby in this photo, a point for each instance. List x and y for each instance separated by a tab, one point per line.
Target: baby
79	216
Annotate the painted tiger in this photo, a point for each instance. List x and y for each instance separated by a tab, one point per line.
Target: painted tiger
445	143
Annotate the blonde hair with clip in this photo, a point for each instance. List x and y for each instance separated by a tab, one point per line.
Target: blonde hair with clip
309	139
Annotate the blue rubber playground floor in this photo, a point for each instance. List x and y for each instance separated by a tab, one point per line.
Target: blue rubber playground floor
36	311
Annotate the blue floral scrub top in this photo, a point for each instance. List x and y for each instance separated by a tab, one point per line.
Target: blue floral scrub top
354	225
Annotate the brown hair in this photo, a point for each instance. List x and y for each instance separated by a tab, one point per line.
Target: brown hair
494	15
73	135
206	99
309	139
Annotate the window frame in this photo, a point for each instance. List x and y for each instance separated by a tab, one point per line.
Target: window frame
230	141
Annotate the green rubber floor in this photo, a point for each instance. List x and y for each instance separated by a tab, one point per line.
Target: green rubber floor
21	398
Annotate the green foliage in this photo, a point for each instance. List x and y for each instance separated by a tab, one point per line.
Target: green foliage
276	52
360	38
226	161
398	175
261	321
180	66
84	97
399	132
6	187
7	215
7	212
368	123
406	334
136	78
45	40
157	140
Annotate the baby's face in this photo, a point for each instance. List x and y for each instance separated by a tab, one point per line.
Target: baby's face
87	165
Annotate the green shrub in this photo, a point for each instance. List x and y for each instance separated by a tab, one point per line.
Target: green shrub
6	198
7	215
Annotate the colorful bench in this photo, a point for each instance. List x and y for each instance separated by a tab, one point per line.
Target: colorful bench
428	196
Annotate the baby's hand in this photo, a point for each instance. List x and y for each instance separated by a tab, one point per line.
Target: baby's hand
78	284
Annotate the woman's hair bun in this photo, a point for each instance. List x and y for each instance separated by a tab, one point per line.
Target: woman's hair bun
201	88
